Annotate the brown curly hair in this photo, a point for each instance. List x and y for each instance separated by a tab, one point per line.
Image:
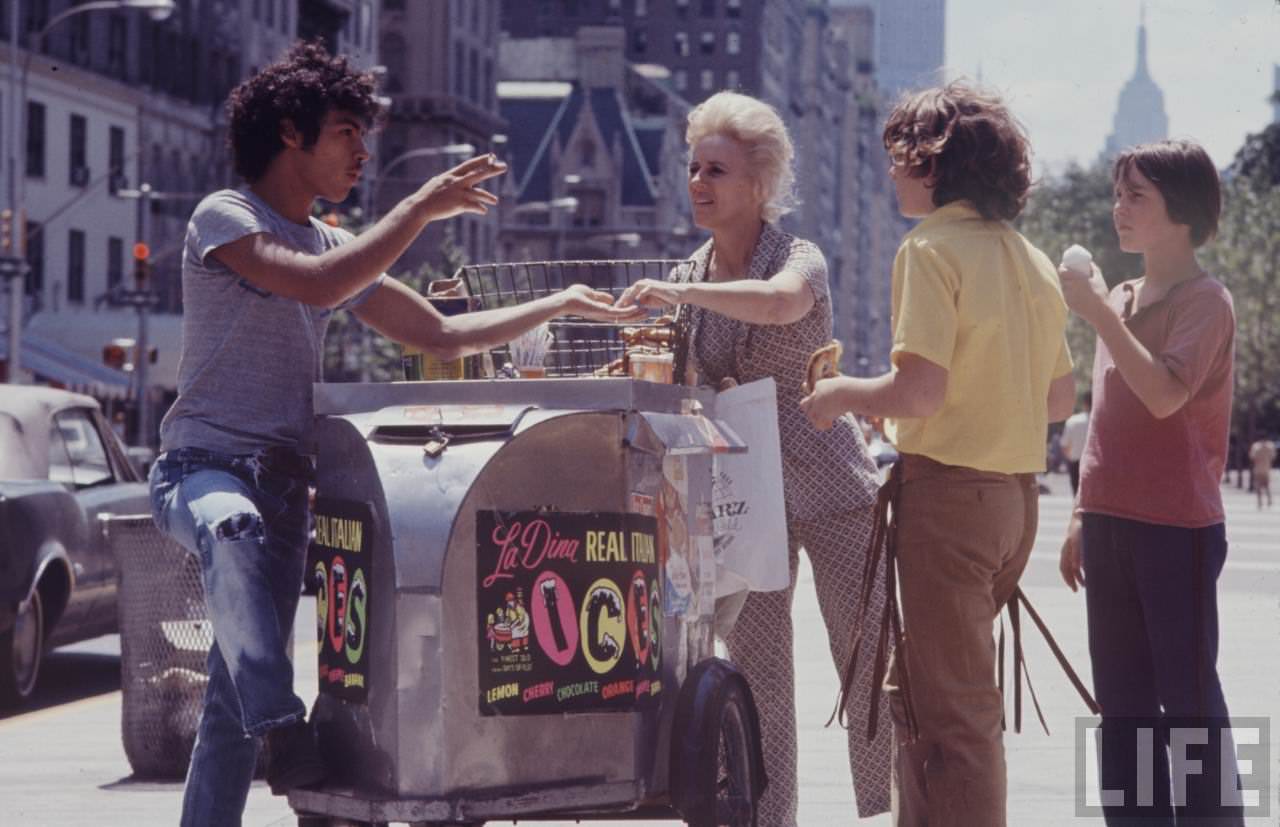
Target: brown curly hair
969	142
302	87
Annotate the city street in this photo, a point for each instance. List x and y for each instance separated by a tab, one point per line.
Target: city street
63	763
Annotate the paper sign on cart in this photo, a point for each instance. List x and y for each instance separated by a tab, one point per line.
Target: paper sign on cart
339	564
569	612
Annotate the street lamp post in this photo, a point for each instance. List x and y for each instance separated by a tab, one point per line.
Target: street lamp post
156	10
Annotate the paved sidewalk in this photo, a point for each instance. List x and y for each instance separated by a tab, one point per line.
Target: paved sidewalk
64	765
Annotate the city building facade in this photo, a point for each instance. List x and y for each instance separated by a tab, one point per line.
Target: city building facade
441	61
596	150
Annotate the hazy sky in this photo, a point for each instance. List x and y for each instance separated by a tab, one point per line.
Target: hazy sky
1060	66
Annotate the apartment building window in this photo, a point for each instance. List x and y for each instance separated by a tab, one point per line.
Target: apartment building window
257	9
393	5
459	69
680	79
78	174
489	86
708	80
475	76
116	45
682	44
395	58
271	12
115	158
642	8
639	41
80	39
733	8
733	43
732	79
35	139
35	259
115	261
682	7
37	15
708	8
75	267
708	43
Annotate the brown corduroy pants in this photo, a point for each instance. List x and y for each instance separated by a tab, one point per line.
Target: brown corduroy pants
963	539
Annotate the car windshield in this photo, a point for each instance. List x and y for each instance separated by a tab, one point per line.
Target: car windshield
16	461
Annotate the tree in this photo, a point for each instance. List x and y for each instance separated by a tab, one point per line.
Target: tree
1075	208
1245	256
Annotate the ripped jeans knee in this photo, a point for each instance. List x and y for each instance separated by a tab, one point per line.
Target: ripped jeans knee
242	525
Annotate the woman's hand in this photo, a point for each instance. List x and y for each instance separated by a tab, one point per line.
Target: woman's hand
824	405
457	190
1085	295
652	293
580	300
1070	559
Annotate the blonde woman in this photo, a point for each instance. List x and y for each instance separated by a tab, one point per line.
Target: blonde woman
757	303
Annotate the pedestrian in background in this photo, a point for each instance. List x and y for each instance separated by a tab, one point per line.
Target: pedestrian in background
1074	431
1147	538
981	367
757	303
1263	455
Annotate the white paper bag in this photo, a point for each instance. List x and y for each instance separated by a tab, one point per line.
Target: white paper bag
750	516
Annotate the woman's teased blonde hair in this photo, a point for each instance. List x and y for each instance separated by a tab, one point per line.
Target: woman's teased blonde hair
757	126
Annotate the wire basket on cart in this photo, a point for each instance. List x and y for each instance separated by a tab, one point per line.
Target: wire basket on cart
581	347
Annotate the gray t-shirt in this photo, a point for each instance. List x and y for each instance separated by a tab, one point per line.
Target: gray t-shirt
249	357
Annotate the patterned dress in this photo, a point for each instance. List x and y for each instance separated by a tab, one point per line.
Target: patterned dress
829	484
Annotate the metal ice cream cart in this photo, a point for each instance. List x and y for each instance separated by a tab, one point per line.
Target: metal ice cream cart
515	594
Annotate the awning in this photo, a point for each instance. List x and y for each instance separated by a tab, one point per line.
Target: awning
49	362
84	333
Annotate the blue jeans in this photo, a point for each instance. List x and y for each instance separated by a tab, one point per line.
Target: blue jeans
1153	640
246	518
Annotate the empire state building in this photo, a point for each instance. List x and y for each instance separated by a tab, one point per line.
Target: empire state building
1140	115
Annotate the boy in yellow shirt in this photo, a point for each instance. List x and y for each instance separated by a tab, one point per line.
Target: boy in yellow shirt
980	368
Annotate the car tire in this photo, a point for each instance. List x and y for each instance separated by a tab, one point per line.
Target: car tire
21	650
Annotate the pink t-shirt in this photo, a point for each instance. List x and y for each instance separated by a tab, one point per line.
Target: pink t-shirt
1164	471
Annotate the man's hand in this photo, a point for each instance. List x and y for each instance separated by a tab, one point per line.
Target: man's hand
824	405
456	191
1070	559
580	300
1085	295
652	293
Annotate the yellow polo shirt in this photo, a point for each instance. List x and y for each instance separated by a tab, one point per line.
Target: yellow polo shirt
976	298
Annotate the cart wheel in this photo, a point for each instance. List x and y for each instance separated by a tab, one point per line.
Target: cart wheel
717	770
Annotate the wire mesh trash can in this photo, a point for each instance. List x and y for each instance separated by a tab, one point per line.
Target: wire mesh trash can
165	636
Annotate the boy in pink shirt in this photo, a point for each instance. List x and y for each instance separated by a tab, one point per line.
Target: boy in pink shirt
1148	535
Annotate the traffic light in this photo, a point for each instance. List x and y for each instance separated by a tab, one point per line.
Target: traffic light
122	354
6	231
118	354
141	265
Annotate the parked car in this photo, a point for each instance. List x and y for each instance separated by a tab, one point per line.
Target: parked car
62	471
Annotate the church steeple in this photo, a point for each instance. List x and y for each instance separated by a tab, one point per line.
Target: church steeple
1140	115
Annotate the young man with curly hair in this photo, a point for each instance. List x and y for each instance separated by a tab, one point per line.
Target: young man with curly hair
980	368
261	278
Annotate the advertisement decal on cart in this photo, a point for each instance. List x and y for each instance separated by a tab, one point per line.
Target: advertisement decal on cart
568	610
339	565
